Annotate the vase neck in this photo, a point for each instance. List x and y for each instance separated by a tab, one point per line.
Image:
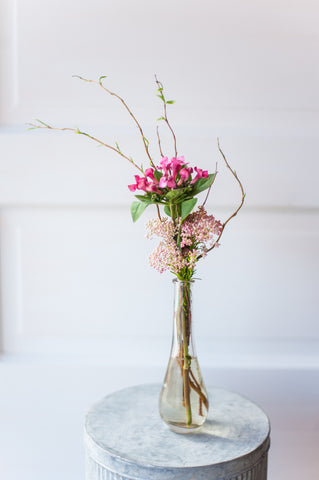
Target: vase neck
183	318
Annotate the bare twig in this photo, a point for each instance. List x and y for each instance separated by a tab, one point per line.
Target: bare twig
160	86
243	194
198	390
159	142
99	82
208	192
76	130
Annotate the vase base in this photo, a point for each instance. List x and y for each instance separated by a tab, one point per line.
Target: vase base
182	429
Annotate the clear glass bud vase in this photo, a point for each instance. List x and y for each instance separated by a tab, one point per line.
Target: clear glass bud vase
183	402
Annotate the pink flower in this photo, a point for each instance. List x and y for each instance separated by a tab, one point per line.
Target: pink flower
164	165
185	173
141	184
200	174
153	187
149	172
176	164
167	181
132	188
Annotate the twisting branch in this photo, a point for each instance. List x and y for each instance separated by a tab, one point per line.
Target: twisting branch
165	103
99	82
159	142
243	194
208	191
76	130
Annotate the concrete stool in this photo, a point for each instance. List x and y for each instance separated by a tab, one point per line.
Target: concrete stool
125	439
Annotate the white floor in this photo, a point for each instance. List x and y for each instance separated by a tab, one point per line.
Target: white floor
43	403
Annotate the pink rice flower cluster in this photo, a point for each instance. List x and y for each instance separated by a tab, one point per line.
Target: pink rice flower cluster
175	173
195	236
198	230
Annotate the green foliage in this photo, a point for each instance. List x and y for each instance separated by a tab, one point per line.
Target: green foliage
137	208
144	199
42	123
174	195
101	78
187	207
158	175
202	184
146	141
167	210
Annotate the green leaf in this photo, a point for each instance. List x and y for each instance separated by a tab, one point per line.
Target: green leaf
143	198
160	118
40	121
146	141
173	195
203	183
161	97
187	207
137	208
158	175
170	101
101	78
167	210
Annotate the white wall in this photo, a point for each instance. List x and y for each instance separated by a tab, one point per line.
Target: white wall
75	280
244	71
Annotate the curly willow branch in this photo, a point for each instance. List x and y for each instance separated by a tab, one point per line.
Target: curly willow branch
99	82
243	194
165	116
76	130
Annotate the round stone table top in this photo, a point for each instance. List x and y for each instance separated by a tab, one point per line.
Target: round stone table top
125	434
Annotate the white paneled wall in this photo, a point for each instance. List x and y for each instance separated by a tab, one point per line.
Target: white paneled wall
246	72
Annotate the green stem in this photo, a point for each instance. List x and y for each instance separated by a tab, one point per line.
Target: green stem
186	362
172	212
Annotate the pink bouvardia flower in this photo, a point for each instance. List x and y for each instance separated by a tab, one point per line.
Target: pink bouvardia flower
149	172
142	183
171	169
174	174
196	235
200	174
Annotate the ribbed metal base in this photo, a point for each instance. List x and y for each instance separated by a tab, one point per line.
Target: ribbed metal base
94	471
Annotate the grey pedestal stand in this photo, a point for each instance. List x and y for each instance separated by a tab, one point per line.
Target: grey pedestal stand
125	439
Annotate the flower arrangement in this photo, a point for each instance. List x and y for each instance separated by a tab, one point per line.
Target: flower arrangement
187	235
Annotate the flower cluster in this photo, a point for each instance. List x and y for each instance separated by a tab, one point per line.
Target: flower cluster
170	174
183	245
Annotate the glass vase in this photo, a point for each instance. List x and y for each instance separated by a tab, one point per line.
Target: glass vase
183	402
